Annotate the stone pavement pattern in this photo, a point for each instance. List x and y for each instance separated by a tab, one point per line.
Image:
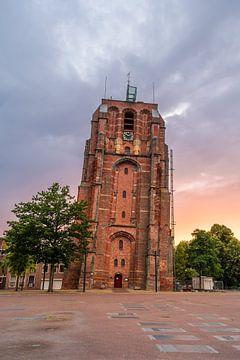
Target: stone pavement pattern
102	325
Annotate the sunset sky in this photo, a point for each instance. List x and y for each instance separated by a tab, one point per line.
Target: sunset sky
54	57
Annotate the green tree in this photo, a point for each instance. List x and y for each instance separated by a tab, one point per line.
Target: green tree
53	224
204	254
222	233
232	264
183	270
228	249
20	247
212	253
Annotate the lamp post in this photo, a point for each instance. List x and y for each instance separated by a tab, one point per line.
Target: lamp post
156	273
85	271
85	268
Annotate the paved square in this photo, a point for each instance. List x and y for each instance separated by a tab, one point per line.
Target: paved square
105	325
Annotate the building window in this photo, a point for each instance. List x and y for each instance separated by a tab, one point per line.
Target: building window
124	194
115	262
123	214
61	268
125	171
128	120
123	263
12	281
120	244
127	150
31	281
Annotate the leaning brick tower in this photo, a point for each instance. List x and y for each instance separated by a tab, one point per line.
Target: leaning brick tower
125	180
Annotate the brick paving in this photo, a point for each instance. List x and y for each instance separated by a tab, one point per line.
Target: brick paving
103	325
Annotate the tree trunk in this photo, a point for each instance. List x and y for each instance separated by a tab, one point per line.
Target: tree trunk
22	285
17	282
51	277
85	272
80	271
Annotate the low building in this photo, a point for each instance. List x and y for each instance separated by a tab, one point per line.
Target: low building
3	269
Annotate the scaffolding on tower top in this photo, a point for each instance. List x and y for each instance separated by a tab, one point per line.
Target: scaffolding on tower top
131	93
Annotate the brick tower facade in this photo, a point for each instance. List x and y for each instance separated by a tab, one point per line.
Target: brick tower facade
125	182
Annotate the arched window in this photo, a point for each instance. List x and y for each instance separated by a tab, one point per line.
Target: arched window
115	262
123	263
123	214
125	171
120	244
124	194
128	120
127	150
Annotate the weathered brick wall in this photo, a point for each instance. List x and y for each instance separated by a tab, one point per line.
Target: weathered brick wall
126	185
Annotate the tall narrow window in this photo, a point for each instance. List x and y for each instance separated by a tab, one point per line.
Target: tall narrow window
124	194
127	150
125	171
115	262
123	263
120	245
128	121
61	268
123	214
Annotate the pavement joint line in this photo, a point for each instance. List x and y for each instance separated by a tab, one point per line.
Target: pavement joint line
211	317
207	324
174	337
12	309
236	347
167	330
220	329
153	324
227	337
186	348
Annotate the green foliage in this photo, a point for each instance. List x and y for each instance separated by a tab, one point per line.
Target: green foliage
229	254
232	267
183	271
203	254
19	241
213	253
47	227
222	233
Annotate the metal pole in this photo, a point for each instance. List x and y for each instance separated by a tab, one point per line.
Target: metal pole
85	271
155	263
44	275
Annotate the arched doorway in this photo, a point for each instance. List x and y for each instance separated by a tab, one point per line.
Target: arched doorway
118	280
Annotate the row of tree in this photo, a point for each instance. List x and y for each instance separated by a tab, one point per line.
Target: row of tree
52	228
213	253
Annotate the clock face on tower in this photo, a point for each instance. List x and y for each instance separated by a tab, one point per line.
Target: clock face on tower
128	135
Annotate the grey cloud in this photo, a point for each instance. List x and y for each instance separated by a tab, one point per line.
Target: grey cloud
54	56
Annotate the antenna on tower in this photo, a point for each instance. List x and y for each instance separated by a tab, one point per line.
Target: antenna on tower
128	76
131	91
153	90
105	88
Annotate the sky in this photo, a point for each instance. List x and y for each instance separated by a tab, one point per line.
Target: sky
54	58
